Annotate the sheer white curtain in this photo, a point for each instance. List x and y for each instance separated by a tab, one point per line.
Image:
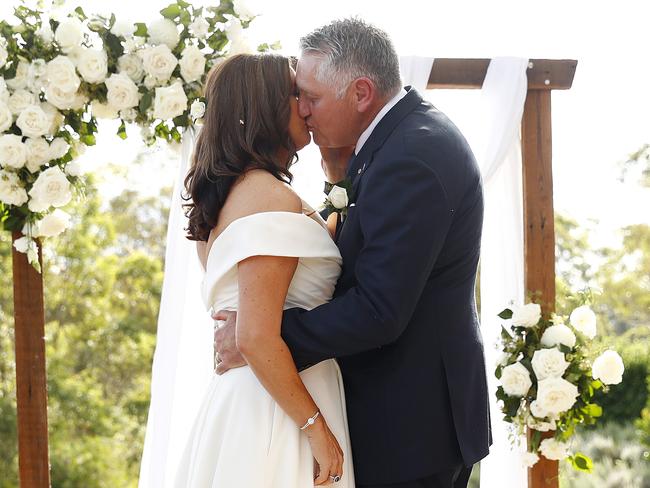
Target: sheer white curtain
182	364
495	139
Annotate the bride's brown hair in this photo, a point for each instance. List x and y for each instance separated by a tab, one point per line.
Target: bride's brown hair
246	126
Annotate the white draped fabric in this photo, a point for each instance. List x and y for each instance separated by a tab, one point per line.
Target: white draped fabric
182	364
498	150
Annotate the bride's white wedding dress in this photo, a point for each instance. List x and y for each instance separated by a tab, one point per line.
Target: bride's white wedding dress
241	438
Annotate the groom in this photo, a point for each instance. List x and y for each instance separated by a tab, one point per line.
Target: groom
403	321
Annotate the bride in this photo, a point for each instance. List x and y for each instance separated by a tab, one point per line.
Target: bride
263	250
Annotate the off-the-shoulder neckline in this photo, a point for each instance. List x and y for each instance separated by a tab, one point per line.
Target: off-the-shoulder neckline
238	220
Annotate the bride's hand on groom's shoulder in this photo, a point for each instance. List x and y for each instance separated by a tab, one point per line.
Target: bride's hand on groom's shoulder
226	354
334	161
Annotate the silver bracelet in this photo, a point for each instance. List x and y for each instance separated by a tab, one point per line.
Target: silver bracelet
311	420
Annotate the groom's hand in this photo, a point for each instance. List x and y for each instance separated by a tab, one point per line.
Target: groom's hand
334	161
226	354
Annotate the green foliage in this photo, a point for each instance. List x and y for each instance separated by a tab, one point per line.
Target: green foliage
619	460
638	162
103	281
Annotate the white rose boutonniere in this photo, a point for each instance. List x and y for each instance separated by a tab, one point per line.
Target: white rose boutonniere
339	197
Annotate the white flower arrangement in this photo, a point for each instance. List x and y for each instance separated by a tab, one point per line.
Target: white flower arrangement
548	378
57	77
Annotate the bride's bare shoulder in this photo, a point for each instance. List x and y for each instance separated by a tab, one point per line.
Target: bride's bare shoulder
260	191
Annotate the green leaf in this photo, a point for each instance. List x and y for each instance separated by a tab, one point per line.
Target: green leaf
186	19
581	462
171	12
145	102
184	4
121	131
80	13
88	140
506	314
593	410
141	29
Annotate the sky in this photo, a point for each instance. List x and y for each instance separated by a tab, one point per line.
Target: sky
596	124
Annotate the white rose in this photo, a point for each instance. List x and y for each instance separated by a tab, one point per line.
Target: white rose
538	411
45	33
170	102
583	319
554	450
62	73
4	92
527	315
242	10
163	31
73	168
131	64
6	117
556	395
51	189
199	28
103	110
13	152
59	147
159	62
93	65
529	459
608	368
69	34
515	380
549	363
122	92
539	425
129	114
53	224
338	197
3	54
133	43
239	44
37	76
197	109
20	100
38	153
558	334
22	244
33	122
56	117
61	99
11	189
122	28
19	81
192	64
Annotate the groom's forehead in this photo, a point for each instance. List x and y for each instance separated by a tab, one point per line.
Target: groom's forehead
306	71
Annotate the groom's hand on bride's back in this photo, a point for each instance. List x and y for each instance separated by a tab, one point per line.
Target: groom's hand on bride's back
226	354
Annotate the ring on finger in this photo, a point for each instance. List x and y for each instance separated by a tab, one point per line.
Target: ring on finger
335	478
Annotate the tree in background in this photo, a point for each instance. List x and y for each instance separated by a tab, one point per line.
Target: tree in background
103	281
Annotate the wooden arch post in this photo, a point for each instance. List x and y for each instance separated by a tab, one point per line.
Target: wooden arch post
536	147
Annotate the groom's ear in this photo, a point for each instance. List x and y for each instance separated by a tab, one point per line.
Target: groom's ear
365	93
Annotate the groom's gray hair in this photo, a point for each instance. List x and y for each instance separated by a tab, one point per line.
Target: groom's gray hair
351	48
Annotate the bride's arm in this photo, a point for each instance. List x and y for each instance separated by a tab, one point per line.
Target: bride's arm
263	285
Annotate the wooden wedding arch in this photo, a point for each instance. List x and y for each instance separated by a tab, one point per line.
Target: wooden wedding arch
539	254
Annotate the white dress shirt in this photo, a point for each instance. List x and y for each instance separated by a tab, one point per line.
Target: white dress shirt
366	133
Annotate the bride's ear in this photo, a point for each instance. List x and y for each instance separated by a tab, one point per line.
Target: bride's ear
364	92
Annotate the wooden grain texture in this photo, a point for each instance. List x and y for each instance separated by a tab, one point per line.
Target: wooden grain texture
31	384
543	74
539	233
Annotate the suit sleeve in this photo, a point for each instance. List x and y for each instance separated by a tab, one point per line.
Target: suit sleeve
404	215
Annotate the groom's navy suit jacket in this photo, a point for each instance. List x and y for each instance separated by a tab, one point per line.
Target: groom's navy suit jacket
403	322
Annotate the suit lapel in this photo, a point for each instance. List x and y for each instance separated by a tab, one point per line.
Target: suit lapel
361	162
